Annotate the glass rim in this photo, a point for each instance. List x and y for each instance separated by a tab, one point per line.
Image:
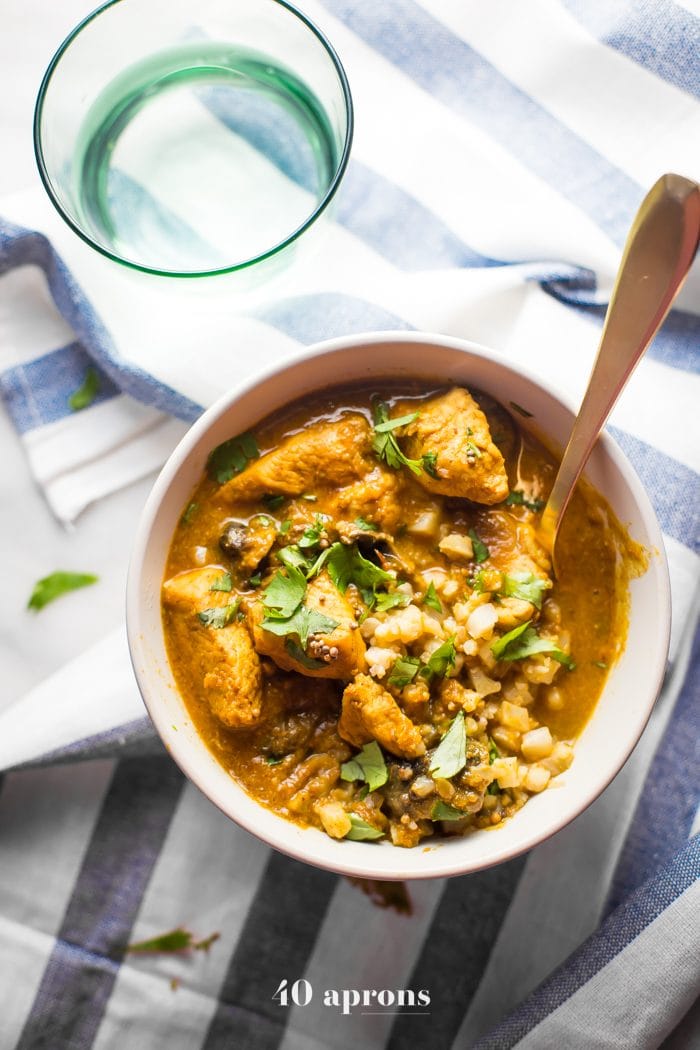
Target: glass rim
246	264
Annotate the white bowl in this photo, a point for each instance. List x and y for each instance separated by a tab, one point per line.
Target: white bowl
632	684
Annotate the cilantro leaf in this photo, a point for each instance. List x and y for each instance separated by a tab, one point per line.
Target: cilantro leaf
220	616
346	565
367	765
86	392
429	460
368	526
444	811
255	580
174	941
222	583
431	599
302	622
58	583
361	831
494	753
312	535
189	512
481	551
384	441
404	671
273	760
387	601
450	756
525	586
292	558
231	457
519	408
524	641
473	451
284	593
442	659
516	498
285	526
273	500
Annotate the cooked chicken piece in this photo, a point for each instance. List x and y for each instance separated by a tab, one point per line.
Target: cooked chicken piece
225	667
376	497
370	713
340	653
248	544
468	465
332	453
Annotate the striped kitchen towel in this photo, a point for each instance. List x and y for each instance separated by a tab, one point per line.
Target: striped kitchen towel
500	153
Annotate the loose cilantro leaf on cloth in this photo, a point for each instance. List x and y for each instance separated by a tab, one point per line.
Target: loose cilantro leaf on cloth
384	441
272	501
86	392
481	551
361	831
404	671
284	593
440	661
189	512
231	457
444	811
516	498
303	622
429	461
58	583
367	765
524	641
219	617
222	583
450	756
391	601
346	565
431	599
174	941
519	408
525	586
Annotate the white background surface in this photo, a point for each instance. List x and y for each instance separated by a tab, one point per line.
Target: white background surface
32	543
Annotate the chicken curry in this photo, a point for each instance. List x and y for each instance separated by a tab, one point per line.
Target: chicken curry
362	622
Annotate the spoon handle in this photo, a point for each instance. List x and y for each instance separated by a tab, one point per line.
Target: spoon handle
658	253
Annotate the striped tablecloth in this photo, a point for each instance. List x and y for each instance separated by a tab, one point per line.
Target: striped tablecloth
501	151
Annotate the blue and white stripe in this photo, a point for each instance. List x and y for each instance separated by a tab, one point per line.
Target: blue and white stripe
500	152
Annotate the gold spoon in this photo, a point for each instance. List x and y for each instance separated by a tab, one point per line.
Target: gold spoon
659	251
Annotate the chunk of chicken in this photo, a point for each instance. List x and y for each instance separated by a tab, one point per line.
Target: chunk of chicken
224	667
370	713
454	429
376	496
332	453
338	654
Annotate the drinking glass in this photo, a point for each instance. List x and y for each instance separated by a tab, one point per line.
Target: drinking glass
188	138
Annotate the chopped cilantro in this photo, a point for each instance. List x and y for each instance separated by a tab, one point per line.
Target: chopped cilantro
273	760
516	498
429	460
297	653
601	663
222	583
384	442
86	392
368	526
312	535
494	753
273	501
391	601
442	659
431	599
231	457
519	408
404	671
444	811
303	622
255	580
481	551
219	617
524	641
292	557
525	586
284	593
360	830
58	583
367	765
450	756
175	941
473	451
493	788
346	565
285	526
189	512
